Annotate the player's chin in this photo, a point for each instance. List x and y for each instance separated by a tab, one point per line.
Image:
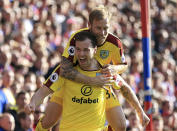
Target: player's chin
82	62
101	40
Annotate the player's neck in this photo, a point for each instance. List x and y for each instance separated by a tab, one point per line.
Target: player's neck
92	67
95	65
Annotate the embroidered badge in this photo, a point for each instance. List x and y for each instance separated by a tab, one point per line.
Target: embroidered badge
71	50
104	54
54	77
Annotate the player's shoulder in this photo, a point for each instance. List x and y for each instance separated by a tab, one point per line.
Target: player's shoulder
111	38
71	40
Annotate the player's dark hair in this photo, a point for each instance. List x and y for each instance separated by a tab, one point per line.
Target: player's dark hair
83	35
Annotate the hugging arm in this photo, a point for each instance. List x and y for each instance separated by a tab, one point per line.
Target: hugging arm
114	69
67	71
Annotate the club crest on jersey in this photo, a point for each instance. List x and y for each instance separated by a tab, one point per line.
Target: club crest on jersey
71	50
54	77
104	54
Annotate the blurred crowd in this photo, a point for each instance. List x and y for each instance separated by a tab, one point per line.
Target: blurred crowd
34	33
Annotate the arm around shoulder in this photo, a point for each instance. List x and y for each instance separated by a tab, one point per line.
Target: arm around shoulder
67	71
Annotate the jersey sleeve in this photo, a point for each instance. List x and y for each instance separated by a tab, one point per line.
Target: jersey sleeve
116	47
117	82
57	96
53	79
119	57
70	49
57	84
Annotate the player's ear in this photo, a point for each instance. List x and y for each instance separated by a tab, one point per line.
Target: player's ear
95	50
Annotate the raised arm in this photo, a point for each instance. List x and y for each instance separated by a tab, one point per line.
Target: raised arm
67	71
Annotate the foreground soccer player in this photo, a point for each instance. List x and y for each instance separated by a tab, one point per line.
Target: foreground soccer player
79	105
83	105
109	51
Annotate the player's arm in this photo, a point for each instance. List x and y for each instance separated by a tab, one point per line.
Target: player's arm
111	70
67	71
130	96
119	68
51	84
53	110
119	64
114	69
37	99
53	113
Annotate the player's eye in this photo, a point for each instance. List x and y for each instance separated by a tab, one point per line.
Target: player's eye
77	49
86	50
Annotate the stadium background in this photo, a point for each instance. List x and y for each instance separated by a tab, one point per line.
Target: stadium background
33	34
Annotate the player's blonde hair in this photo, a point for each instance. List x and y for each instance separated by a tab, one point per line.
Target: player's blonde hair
99	13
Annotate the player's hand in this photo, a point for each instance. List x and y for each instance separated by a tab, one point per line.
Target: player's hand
108	70
30	108
101	80
144	119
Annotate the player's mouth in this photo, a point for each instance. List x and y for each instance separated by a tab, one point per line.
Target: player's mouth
82	60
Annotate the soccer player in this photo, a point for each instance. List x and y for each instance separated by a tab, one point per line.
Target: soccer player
110	56
83	105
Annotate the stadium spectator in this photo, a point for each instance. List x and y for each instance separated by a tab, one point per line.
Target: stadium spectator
133	122
25	122
7	122
7	81
158	123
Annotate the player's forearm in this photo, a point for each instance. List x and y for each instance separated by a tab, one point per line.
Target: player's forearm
120	68
67	71
39	96
130	96
74	75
